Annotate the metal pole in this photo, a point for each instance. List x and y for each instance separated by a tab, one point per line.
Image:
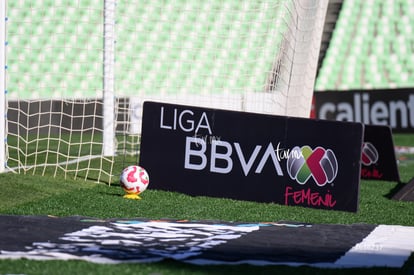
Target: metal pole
109	76
3	86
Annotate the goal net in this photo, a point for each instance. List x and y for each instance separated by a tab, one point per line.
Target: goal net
76	72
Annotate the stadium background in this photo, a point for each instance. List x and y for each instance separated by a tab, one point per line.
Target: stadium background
54	52
366	45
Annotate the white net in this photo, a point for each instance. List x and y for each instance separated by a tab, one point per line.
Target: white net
242	55
65	58
54	88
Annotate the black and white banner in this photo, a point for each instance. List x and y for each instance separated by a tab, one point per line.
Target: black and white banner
204	242
249	156
378	159
392	107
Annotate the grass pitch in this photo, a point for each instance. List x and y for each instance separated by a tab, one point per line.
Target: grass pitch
37	195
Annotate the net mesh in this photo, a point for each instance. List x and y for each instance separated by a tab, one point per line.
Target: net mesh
237	55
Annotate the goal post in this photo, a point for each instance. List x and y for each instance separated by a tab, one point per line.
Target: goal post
309	23
2	86
108	79
77	72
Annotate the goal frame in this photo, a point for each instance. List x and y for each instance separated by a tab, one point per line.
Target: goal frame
109	74
3	91
109	79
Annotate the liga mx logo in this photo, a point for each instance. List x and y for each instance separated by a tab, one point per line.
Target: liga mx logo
369	154
320	164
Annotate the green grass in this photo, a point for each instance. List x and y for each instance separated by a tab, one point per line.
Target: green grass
45	150
65	198
44	195
173	267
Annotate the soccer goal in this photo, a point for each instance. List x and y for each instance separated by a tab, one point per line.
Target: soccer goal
75	73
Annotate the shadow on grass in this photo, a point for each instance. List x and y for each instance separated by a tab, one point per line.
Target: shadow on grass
402	191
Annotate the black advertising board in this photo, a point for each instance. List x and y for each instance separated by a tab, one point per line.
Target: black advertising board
253	157
378	161
394	108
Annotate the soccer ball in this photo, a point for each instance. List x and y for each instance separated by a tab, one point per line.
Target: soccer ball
134	180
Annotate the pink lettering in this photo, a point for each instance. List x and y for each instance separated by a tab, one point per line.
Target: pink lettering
308	198
371	173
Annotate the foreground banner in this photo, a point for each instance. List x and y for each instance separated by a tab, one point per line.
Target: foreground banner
394	108
112	241
255	157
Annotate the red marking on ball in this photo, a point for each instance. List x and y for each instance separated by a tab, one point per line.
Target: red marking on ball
131	175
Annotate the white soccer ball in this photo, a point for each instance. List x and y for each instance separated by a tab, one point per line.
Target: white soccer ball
134	179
